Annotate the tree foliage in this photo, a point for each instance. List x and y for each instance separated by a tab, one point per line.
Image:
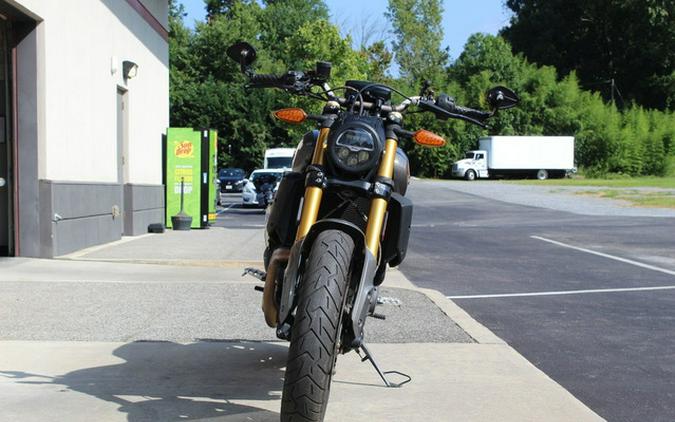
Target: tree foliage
416	25
207	89
217	7
630	41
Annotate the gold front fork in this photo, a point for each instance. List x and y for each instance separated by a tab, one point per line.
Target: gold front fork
312	199
378	207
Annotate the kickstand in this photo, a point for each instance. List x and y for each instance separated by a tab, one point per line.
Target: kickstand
369	357
259	274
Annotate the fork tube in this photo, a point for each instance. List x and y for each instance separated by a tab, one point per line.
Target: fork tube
378	206
312	198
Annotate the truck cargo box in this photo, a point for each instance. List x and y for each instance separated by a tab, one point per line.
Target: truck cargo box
529	152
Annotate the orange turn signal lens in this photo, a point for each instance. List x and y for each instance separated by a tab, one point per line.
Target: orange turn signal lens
293	115
428	139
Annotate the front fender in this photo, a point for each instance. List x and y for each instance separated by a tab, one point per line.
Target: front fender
334	224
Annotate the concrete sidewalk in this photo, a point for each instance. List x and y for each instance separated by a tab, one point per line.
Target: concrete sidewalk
213	247
116	340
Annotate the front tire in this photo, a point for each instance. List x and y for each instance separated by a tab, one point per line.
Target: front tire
316	328
470	175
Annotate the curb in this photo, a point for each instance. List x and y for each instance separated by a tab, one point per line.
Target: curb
473	328
481	334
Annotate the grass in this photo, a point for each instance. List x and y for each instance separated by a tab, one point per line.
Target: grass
629	182
637	198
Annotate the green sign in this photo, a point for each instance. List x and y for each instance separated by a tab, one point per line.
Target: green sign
190	161
213	174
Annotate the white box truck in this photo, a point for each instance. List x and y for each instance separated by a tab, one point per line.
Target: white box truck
518	156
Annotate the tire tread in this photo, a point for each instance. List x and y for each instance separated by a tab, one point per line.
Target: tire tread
311	355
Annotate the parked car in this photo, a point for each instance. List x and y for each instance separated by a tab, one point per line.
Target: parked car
259	189
231	179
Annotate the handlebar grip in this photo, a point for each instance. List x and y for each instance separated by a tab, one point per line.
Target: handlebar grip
265	81
470	112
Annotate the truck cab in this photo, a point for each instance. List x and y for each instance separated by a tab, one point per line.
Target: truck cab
472	166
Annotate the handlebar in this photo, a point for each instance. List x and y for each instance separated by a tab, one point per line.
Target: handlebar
386	108
300	83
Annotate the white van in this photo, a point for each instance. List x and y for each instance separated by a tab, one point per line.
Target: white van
279	158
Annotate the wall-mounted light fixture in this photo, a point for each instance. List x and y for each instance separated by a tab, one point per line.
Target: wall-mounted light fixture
129	69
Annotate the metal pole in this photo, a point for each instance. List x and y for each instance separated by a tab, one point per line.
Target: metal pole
181	194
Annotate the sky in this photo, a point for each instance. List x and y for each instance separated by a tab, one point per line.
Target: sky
461	18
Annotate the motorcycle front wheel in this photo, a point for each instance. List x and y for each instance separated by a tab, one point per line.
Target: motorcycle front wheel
316	328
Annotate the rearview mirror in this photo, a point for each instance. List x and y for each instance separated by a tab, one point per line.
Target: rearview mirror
242	53
501	98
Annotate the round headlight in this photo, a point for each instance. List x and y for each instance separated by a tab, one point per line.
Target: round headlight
354	147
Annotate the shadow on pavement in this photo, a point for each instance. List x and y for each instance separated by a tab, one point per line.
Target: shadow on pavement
164	381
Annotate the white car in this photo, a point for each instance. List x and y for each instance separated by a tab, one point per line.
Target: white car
250	195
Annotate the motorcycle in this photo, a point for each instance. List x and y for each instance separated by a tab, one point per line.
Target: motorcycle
265	188
340	217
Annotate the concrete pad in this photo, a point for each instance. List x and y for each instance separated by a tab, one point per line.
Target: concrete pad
109	311
462	382
214	243
56	270
236	381
223	381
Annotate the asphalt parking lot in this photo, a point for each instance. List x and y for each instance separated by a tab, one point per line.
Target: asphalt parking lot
589	299
232	214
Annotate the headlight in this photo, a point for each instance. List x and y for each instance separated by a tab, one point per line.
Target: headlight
355	146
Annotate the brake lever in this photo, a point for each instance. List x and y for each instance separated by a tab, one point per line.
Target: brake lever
466	118
444	114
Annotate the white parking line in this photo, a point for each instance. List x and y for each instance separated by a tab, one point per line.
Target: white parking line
604	255
564	292
577	292
225	209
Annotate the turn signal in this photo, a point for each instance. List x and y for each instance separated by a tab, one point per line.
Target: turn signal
428	139
293	115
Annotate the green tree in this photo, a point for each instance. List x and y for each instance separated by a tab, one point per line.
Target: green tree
418	34
378	58
607	141
217	7
182	61
207	88
629	41
283	18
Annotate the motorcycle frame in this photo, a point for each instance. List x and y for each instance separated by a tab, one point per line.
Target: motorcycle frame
367	245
